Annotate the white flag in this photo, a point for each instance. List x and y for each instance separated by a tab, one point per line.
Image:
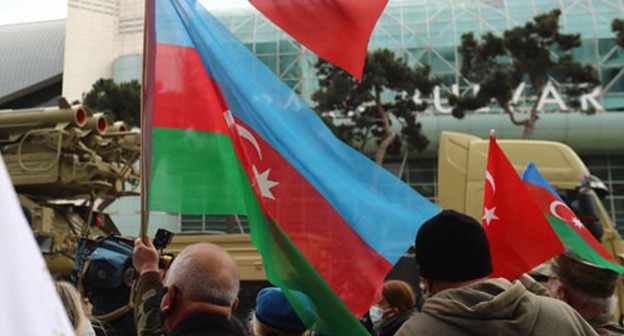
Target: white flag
29	303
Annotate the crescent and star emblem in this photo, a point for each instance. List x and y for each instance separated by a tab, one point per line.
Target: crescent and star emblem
245	134
264	183
242	131
262	179
490	179
488	214
575	220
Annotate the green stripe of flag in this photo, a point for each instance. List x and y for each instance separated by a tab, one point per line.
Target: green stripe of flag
196	172
571	239
321	309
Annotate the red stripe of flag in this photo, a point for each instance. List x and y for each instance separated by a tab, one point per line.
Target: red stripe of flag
188	99
553	206
313	225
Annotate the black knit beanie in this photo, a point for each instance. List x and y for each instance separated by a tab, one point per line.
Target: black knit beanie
452	247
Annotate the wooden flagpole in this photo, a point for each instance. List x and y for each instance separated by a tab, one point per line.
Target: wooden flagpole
149	7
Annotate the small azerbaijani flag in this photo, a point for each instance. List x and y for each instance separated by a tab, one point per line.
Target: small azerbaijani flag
226	136
569	228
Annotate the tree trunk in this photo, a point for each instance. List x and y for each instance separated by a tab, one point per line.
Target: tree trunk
512	115
528	129
390	135
530	125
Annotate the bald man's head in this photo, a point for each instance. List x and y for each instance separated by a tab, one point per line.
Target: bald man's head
205	272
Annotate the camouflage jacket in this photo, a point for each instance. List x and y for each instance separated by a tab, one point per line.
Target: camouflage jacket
604	325
147	305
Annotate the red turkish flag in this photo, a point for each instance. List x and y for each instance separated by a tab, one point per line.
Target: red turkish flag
520	236
336	30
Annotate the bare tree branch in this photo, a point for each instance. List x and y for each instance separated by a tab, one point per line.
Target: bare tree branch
512	116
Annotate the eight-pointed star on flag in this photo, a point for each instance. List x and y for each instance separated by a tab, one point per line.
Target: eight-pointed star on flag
264	183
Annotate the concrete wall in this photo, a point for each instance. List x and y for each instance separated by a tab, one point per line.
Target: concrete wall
98	32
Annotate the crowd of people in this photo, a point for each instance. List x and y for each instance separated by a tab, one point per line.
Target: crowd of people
198	294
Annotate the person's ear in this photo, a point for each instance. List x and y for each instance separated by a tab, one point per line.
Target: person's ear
390	312
165	305
168	300
234	305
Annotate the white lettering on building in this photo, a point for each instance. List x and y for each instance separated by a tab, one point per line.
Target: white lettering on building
551	96
550	99
590	99
437	101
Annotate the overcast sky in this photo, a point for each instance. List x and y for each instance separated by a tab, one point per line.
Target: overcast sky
19	11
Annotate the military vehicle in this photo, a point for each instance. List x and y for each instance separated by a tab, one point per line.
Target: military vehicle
67	165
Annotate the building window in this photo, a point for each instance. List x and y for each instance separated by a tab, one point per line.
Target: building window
214	224
421	174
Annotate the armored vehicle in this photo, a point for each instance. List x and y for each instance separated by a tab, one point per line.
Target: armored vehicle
67	164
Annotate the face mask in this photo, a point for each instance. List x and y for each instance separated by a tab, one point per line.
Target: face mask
375	314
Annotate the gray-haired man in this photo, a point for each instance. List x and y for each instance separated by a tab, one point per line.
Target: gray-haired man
200	291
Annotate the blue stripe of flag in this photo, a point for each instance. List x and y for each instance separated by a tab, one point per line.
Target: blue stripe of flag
532	175
383	211
169	27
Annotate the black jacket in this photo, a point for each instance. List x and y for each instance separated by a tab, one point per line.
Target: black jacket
206	324
390	326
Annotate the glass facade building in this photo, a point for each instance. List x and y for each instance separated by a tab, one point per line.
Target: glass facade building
428	32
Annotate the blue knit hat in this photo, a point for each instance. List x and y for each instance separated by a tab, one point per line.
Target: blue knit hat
273	309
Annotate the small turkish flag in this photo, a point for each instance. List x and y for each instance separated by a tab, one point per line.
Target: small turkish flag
520	236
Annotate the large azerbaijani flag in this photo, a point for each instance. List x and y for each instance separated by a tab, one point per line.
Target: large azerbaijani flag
226	136
569	228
